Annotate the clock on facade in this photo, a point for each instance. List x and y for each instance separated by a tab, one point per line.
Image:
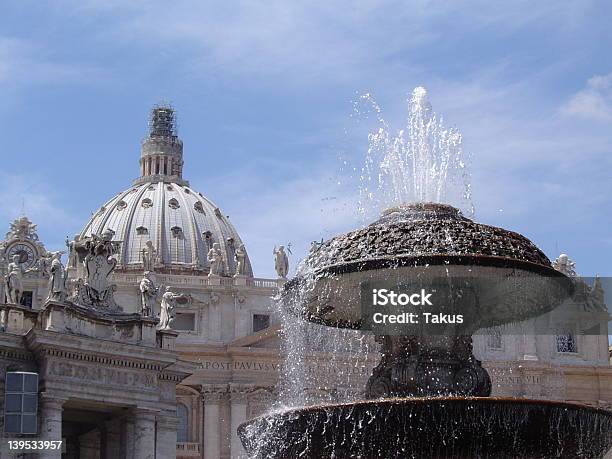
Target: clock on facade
27	254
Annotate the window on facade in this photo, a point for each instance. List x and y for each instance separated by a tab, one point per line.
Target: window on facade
567	343
198	207
20	402
177	232
26	299
494	339
182	431
184	321
260	322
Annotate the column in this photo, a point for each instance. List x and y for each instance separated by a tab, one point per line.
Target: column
51	423
529	341
144	434
165	444
127	438
238	414
111	439
214	320
212	434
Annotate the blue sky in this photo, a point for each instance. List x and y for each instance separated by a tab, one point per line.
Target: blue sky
264	93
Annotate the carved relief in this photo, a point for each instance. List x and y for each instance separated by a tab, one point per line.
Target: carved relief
96	254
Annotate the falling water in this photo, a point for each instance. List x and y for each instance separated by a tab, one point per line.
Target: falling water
423	162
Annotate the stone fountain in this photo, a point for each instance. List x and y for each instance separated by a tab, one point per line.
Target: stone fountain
429	397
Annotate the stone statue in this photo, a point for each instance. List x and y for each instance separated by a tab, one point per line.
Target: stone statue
215	259
43	265
168	303
240	260
23	229
149	257
281	262
595	299
73	258
14	276
57	279
564	264
148	294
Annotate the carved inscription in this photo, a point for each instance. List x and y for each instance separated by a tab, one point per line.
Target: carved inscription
102	375
240	365
518	380
266	366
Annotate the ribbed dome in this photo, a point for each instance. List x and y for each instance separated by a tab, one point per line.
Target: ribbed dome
160	207
181	223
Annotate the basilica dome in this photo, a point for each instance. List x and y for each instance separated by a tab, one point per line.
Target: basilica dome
180	223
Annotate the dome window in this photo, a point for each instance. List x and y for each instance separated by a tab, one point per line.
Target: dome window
169	188
146	203
187	190
198	207
207	238
142	231
173	203
121	205
177	232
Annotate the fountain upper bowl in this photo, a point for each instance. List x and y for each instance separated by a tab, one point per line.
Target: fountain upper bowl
419	233
417	240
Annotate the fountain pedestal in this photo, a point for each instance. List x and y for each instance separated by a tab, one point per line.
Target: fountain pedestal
412	366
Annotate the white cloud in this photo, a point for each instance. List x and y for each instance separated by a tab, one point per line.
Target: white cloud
303	41
594	101
24	62
30	195
296	211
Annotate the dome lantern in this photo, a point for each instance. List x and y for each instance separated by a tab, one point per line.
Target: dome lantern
161	153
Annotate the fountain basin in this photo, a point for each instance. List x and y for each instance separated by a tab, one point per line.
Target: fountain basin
432	427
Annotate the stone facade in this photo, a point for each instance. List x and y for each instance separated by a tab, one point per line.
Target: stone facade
106	384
